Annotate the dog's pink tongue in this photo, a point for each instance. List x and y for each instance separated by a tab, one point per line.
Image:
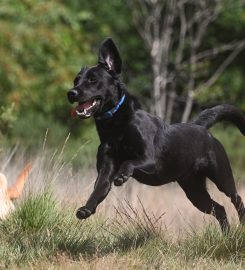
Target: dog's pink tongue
82	106
73	113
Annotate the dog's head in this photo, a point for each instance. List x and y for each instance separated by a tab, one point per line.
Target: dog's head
95	89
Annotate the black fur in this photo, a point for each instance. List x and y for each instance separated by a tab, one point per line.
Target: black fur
137	144
225	112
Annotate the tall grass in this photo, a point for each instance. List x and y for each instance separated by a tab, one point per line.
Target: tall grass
44	233
41	230
132	227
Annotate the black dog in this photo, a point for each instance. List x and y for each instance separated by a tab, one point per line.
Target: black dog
138	144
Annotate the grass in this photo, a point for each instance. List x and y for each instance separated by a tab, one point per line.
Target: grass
39	229
41	233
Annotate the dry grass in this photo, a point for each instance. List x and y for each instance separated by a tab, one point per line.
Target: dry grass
73	188
180	215
136	227
130	262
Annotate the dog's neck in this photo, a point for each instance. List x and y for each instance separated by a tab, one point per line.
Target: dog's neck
110	113
112	127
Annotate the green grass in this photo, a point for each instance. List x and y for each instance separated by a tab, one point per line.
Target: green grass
42	234
40	229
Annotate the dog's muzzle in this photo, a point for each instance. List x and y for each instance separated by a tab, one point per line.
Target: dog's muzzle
72	95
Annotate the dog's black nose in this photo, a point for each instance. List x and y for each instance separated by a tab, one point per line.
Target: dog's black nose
72	95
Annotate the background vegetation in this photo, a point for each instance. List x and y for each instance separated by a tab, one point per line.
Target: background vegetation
43	44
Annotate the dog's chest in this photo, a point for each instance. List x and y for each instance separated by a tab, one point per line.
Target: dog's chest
126	150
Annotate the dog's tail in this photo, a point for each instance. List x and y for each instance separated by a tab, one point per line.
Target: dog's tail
16	189
225	112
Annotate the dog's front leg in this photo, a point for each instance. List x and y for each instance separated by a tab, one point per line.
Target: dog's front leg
127	169
101	189
102	185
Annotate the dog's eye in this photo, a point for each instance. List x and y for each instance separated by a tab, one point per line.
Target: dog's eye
92	80
76	81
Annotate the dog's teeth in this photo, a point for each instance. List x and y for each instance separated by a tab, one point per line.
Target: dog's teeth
86	111
80	112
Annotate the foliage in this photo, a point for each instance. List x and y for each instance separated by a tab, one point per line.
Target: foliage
7	119
43	44
42	47
229	88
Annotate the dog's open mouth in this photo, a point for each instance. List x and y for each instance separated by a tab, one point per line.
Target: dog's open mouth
86	109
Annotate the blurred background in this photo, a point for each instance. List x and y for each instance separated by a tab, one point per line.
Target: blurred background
179	57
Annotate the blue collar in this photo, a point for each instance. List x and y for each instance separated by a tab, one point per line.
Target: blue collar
111	112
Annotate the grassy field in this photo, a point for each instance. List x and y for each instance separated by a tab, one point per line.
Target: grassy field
136	227
43	235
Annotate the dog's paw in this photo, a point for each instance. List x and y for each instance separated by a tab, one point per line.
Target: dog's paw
83	213
118	181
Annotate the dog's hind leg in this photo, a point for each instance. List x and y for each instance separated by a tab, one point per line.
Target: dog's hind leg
195	190
221	175
238	203
232	194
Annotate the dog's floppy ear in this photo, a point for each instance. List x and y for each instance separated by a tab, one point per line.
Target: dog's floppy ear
109	57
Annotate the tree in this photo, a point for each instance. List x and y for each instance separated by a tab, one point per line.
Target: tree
174	32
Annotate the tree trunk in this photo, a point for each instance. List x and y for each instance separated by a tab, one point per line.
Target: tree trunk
188	107
157	96
170	106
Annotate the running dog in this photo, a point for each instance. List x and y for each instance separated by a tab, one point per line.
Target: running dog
135	143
